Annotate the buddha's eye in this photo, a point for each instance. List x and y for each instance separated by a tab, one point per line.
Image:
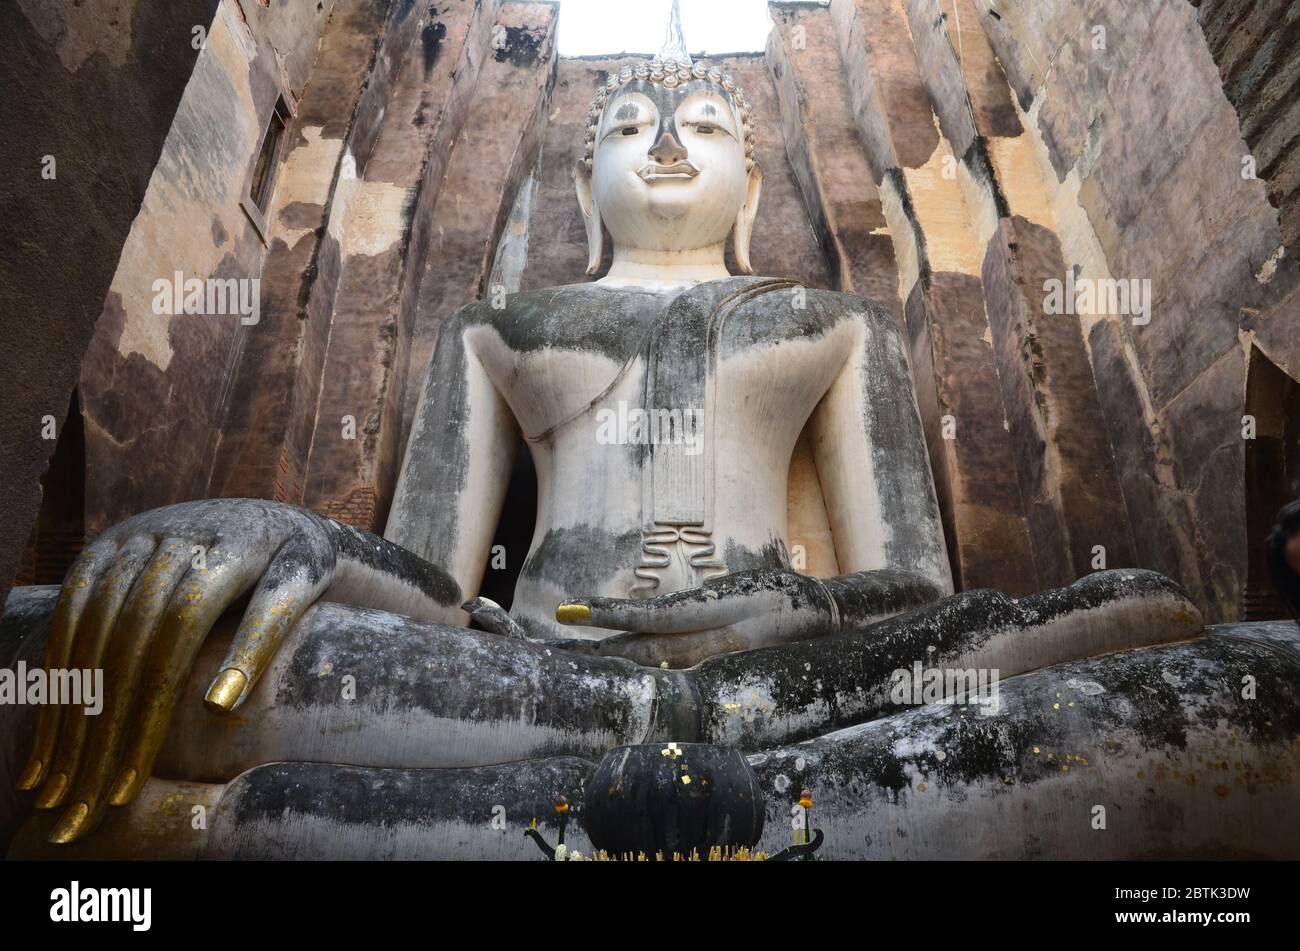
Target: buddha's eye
704	127
631	130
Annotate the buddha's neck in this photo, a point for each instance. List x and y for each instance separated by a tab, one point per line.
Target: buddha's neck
664	270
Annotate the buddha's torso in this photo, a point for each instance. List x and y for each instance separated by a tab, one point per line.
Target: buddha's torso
570	364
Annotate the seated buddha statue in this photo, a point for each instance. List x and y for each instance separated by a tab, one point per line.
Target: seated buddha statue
680	419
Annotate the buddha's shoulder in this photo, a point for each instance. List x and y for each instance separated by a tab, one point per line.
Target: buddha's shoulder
796	311
592	308
556	303
587	317
836	303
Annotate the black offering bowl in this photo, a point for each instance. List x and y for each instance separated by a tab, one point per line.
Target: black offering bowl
673	798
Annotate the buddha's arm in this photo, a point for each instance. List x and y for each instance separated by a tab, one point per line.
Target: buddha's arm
872	463
458	461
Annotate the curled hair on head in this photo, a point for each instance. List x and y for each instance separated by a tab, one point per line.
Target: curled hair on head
1285	579
671	73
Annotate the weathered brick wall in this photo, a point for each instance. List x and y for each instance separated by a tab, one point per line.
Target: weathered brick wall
98	99
1254	43
155	387
272	411
1148	154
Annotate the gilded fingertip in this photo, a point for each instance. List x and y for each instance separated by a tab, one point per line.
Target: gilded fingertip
31	774
124	788
71	825
52	793
226	690
569	613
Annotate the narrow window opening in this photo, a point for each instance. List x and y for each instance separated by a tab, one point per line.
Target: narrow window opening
259	190
268	159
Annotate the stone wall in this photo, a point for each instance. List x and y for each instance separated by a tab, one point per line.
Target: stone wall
154	386
92	89
272	409
1254	45
1147	156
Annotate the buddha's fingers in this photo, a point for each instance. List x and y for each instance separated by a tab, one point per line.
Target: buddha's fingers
494	618
772	602
78	586
682	612
123	662
97	623
200	598
299	574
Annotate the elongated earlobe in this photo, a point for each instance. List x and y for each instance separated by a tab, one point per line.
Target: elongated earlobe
590	217
745	220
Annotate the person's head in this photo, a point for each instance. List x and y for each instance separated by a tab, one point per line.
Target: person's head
1283	547
669	162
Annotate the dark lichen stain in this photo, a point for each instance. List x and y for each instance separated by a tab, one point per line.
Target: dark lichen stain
582	317
431	38
848	676
523	47
584	556
324	251
740	558
403	665
618	322
1153	698
393	561
981	168
353	795
918	233
301	215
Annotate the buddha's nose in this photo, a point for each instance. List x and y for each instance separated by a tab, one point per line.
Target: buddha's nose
668	151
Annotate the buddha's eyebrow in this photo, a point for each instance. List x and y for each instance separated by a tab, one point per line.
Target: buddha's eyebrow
705	109
629	110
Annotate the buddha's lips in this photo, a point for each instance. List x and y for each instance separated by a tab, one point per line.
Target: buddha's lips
678	170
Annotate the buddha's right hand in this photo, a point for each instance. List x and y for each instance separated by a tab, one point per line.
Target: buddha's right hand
139	601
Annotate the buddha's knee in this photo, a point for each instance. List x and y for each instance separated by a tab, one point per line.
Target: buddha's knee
1154	752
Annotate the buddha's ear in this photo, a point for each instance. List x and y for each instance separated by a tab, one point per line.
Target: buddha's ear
745	219
590	217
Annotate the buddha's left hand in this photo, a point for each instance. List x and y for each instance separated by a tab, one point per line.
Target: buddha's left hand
745	610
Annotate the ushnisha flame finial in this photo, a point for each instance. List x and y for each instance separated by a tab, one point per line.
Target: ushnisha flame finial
674	50
672	67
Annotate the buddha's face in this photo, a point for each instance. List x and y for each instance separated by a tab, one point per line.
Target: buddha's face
669	170
1292	553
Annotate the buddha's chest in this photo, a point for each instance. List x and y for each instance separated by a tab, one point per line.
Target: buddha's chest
741	378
